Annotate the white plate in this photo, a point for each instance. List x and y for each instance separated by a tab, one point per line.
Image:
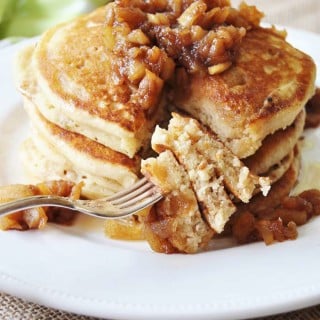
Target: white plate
77	269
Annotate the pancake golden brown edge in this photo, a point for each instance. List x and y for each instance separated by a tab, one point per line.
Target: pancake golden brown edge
63	154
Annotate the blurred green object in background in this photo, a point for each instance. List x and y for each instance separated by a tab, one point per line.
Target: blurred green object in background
27	18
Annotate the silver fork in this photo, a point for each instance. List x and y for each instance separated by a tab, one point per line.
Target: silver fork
124	203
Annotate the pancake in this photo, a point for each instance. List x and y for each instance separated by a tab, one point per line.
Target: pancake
263	91
275	172
276	147
77	84
46	162
78	156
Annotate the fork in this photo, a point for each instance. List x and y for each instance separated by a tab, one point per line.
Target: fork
140	195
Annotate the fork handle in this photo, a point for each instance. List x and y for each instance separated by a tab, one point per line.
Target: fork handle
34	202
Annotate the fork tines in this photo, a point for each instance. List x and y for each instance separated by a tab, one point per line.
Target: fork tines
140	195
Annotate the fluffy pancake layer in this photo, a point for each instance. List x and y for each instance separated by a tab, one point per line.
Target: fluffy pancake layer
264	91
64	154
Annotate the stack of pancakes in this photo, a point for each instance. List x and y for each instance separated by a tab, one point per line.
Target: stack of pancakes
88	124
95	88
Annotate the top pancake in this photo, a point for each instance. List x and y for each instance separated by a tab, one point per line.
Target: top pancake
74	67
265	89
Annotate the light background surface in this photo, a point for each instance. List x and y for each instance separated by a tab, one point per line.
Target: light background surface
302	14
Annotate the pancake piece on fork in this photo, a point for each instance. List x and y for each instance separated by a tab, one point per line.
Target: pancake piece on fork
212	168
